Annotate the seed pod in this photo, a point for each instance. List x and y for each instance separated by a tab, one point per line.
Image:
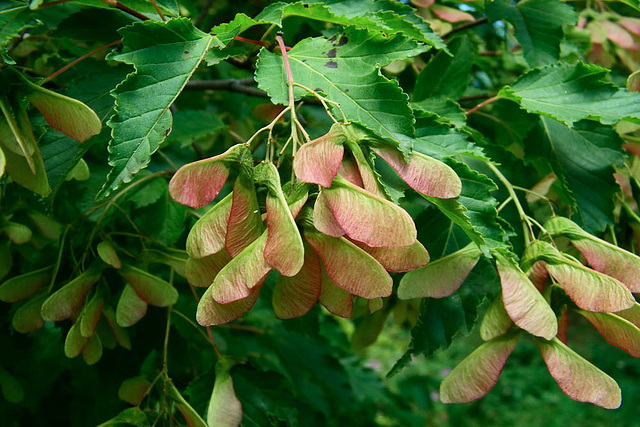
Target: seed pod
318	161
335	299
368	218
67	300
617	331
399	260
350	267
20	287
424	174
440	278
152	289
207	236
496	321
578	378
225	410
476	375
210	312
245	222
131	308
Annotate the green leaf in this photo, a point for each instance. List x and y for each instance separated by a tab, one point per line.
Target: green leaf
583	158
440	320
165	56
194	125
15	17
345	68
11	388
475	210
538	25
443	110
476	375
578	378
446	75
573	92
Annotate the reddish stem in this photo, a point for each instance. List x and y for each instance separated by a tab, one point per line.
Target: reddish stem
257	42
74	62
482	104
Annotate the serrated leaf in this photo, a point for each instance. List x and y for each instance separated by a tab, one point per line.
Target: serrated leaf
224	410
538	25
193	125
440	278
152	289
387	17
476	375
446	75
20	287
475	210
350	267
440	320
441	141
442	110
67	300
573	92
578	378
583	158
131	308
165	55
337	68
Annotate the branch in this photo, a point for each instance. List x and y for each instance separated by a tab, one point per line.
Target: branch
231	85
466	26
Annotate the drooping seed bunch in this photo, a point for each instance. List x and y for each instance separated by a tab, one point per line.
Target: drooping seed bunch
329	241
546	281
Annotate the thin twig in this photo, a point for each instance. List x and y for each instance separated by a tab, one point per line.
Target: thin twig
231	85
75	61
482	104
466	26
160	14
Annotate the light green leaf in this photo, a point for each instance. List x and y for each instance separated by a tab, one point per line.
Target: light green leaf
573	92
346	69
165	55
538	25
583	158
193	125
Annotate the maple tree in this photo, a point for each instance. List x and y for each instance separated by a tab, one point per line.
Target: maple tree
289	181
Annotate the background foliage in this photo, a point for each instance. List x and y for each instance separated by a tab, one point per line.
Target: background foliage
544	89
